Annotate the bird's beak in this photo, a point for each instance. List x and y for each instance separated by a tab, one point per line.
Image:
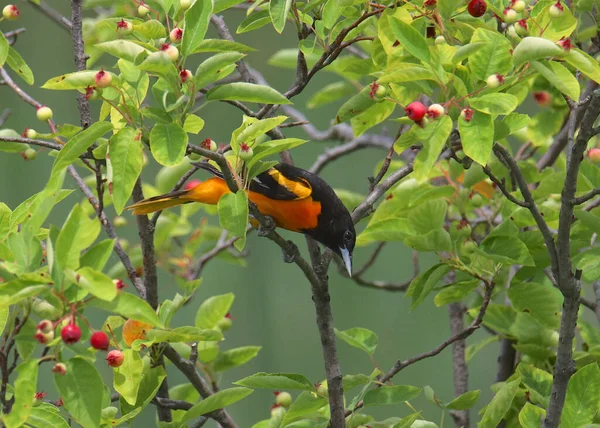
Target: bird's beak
347	258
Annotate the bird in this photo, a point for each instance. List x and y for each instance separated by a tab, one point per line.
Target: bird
296	199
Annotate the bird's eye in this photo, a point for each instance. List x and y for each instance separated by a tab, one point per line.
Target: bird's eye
347	236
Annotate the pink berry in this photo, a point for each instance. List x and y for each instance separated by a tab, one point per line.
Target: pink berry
435	110
594	155
102	79
495	80
44	338
100	341
119	284
543	98
11	12
59	368
115	358
556	10
477	8
175	35
171	51
510	15
415	111
565	44
70	334
184	75
45	326
124	27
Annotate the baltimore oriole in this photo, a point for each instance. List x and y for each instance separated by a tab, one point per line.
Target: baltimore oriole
296	199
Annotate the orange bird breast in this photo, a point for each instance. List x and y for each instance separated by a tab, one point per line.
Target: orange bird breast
294	215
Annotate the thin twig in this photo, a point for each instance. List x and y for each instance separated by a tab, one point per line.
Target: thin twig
52	14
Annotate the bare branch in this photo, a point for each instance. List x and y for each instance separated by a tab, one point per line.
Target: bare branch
4	116
502	186
584	198
191	373
79	54
459	364
335	153
52	14
110	231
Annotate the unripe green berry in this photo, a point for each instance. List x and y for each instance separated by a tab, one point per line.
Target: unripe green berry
246	153
108	413
30	133
283	399
143	10
44	113
10	12
322	389
185	4
171	51
440	40
225	323
119	221
29	154
556	10
510	15
519	6
477	200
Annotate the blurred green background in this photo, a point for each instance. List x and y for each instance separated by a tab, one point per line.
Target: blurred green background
273	306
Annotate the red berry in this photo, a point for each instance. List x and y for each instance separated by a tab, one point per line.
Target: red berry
59	368
191	184
467	114
415	111
477	8
175	35
70	334
10	12
119	284
373	89
543	98
115	358
430	3
100	340
594	155
92	93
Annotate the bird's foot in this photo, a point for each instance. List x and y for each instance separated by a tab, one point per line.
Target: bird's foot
266	228
290	253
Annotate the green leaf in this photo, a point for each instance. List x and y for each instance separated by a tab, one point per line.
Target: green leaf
477	136
24	390
130	306
19	66
390	395
277	381
464	401
233	214
122	49
193	124
70	81
124	161
4	48
257	129
247	92
455	292
533	48
278	10
330	93
168	143
97	256
474	349
195	24
213	309
422	285
356	105
306	405
14	291
78	233
495	104
406	74
184	334
218	45
254	21
74	148
428	216
543	302
537	381
507	249
559	76
151	29
360	338
531	416
433	136
218	400
43	416
466	51
273	147
372	116
216	68
151	381
94	282
584	63
81	389
128	376
500	404
494	57
410	39
583	397
235	357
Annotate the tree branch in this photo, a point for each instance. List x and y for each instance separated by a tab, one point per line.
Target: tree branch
189	370
459	364
52	14
568	281
80	56
586	197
